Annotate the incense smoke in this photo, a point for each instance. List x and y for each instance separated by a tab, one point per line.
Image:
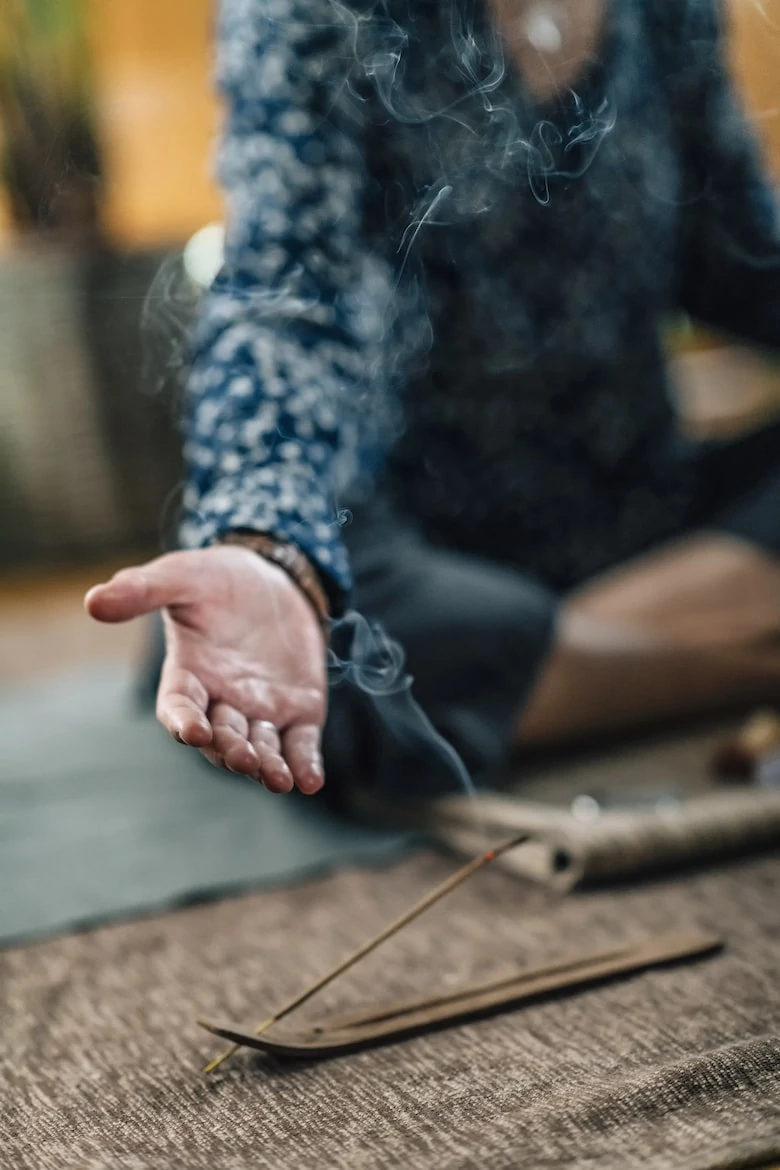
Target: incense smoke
467	99
167	315
375	664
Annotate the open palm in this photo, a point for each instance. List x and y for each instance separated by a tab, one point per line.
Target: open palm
244	677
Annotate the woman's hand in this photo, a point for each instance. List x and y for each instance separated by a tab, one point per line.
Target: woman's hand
244	678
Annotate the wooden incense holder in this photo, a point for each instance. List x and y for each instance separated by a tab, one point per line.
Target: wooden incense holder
389	1023
435	895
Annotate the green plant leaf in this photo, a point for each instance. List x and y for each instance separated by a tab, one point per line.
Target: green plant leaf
48	146
55	18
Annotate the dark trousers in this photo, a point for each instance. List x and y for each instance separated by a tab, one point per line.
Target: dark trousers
475	633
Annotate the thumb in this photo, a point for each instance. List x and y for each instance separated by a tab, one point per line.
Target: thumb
131	593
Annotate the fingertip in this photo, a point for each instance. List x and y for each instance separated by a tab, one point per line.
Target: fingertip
199	737
196	735
311	778
277	782
242	760
309	785
109	602
92	600
273	771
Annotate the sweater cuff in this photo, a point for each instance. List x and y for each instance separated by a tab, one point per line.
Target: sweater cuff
274	501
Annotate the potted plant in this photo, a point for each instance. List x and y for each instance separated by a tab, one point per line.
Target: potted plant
55	461
49	158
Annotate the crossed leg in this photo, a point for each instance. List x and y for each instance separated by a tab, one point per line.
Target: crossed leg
690	627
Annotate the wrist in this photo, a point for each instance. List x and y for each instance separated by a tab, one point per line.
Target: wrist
292	560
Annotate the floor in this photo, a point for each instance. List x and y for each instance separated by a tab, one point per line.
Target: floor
44	629
675	1068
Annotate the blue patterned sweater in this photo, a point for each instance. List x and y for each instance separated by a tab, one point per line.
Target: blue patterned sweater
438	288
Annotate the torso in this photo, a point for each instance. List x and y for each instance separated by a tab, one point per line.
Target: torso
540	250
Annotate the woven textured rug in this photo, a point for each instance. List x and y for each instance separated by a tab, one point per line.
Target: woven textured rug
677	1067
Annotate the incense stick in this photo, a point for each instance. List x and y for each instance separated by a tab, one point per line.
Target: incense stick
408	916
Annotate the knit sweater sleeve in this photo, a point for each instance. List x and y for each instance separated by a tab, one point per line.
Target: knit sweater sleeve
281	356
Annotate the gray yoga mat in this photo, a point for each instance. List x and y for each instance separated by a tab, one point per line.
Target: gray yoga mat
103	816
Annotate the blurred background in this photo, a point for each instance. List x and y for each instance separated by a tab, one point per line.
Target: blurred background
107	120
109	225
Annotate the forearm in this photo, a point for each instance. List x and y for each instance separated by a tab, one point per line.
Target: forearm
277	399
268	447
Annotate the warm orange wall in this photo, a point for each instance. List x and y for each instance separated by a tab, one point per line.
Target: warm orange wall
756	55
158	116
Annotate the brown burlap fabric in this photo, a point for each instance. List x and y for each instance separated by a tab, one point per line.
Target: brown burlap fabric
677	1067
